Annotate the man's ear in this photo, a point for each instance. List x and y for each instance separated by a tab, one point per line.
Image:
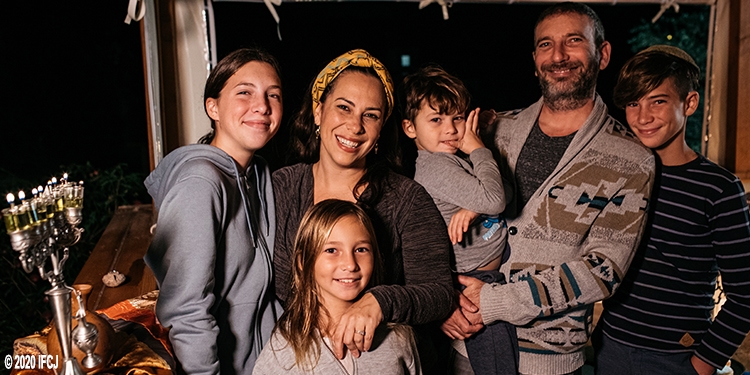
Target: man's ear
691	103
212	109
409	129
606	52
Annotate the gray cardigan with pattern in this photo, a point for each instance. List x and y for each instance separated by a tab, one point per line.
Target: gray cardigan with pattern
572	243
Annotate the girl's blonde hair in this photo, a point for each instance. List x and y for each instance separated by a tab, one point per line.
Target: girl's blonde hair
300	325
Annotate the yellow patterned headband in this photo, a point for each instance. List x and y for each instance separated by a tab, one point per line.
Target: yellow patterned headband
357	57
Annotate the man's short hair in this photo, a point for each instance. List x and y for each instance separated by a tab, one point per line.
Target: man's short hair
577	8
649	68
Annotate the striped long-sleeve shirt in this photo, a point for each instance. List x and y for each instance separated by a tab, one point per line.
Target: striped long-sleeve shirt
699	228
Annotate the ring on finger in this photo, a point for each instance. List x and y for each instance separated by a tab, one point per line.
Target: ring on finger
360	332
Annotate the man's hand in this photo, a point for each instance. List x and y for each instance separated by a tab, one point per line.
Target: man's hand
458	326
487	124
466	319
473	287
356	328
460	224
701	367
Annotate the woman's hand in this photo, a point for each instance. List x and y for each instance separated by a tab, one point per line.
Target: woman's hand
459	224
471	140
356	328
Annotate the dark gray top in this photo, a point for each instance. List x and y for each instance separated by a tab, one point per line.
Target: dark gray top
412	238
539	157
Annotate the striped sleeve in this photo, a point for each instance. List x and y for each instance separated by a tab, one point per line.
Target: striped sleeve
730	228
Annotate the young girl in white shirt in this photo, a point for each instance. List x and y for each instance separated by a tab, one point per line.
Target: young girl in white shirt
335	260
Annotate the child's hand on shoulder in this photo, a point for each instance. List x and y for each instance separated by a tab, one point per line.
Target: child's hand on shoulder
471	140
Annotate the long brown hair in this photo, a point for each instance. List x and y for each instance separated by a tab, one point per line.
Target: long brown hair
300	325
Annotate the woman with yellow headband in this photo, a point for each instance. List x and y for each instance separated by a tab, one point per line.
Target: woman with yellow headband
347	148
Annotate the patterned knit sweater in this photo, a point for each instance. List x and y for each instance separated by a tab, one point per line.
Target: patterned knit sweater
571	244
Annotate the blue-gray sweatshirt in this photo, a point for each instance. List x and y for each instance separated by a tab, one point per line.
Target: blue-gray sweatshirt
212	257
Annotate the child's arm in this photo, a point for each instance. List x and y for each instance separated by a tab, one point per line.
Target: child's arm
459	224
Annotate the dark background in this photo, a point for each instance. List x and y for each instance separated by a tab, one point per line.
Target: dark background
73	90
72	80
72	86
488	46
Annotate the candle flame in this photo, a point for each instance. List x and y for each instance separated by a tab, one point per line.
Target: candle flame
21	195
54	180
10	198
65	176
34	191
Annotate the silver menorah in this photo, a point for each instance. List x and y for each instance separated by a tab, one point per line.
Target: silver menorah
41	229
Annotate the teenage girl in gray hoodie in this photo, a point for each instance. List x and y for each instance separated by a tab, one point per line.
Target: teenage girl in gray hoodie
212	249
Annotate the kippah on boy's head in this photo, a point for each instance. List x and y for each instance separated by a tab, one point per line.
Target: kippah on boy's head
649	68
442	91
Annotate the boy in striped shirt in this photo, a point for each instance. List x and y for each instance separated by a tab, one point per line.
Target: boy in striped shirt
659	321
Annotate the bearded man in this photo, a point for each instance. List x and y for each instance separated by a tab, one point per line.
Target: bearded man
579	186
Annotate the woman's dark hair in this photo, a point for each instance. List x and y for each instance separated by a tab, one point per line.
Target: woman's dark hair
304	146
226	69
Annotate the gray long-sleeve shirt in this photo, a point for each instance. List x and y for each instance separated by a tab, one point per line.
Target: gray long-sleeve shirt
454	184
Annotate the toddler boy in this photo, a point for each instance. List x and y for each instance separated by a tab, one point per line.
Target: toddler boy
468	193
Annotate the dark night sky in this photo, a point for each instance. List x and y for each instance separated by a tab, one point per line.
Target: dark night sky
73	80
72	85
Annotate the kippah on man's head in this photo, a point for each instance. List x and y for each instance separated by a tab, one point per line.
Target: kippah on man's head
670	50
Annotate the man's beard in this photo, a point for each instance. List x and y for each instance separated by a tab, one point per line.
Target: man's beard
572	92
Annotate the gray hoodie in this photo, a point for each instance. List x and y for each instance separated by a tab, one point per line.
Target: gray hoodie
212	257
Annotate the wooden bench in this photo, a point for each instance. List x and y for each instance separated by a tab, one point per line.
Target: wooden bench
121	248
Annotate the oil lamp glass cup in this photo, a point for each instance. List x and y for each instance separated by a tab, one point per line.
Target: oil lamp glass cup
50	203
22	218
10	221
73	195
39	207
57	197
31	213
